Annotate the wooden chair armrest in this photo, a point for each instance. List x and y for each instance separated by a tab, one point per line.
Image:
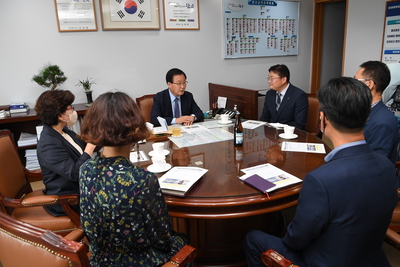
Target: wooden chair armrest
48	200
33	176
393	238
271	258
75	235
182	257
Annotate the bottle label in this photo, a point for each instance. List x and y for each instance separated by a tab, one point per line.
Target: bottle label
239	138
239	155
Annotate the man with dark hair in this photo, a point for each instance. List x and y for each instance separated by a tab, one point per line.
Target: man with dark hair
345	206
175	104
284	103
381	131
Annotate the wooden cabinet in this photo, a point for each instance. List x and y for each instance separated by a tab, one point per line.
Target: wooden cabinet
245	99
27	123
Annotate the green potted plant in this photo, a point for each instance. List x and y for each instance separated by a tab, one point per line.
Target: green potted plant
87	85
50	76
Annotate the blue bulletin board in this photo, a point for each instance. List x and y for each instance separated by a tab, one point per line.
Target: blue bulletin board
391	33
260	28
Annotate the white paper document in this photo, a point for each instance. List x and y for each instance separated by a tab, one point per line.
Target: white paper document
277	125
195	128
178	180
221	102
272	174
250	124
162	128
303	147
133	156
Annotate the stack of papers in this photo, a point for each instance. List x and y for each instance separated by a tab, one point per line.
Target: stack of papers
179	180
32	162
272	174
27	139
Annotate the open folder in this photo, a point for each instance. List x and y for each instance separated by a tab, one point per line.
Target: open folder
163	128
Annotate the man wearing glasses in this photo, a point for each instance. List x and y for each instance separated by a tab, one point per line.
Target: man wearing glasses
381	131
284	103
175	104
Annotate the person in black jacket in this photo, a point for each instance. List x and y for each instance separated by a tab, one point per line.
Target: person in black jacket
175	104
60	152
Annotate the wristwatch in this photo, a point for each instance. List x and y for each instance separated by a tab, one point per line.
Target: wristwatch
194	116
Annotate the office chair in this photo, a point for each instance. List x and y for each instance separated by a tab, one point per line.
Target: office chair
19	201
23	244
271	258
312	125
145	103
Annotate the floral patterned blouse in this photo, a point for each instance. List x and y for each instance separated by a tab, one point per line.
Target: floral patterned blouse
124	215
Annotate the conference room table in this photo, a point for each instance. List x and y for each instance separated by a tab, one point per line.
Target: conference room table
220	209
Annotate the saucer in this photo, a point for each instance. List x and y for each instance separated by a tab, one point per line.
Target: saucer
164	153
224	122
165	168
282	135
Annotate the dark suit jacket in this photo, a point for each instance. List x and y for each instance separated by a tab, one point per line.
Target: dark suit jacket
60	163
292	111
382	132
162	107
344	209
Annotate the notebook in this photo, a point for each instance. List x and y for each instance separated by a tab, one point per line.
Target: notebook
260	183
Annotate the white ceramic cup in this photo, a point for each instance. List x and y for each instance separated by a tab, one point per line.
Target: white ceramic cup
289	130
224	117
158	162
158	148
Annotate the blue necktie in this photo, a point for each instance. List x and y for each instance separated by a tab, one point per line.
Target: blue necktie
177	112
278	101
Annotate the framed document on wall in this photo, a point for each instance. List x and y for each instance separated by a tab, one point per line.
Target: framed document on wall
75	15
181	15
130	15
260	28
391	33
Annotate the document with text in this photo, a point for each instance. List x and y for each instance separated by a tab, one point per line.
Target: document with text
272	174
303	147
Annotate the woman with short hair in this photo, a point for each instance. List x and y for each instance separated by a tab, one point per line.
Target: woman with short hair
123	210
60	152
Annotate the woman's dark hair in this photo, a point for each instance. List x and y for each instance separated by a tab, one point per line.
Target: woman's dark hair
113	119
52	103
346	102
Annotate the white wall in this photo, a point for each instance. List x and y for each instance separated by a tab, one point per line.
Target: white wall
132	61
365	24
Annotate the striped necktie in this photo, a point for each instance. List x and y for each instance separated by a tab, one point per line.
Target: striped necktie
278	100
177	112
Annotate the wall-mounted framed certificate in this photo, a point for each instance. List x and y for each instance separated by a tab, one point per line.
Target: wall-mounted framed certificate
130	15
75	15
181	15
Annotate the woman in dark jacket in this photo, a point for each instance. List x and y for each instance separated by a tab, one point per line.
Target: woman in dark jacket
60	152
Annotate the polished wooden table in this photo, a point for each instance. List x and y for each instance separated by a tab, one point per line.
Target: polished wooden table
219	211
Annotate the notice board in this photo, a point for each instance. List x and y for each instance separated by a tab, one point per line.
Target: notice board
391	33
260	28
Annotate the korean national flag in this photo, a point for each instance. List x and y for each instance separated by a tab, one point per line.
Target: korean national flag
130	10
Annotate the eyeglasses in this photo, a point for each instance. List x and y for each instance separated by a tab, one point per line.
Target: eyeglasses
70	108
363	80
269	78
181	84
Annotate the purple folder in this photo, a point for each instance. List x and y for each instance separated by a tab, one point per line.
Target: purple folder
259	183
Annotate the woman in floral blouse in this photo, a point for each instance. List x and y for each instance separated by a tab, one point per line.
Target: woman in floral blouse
123	211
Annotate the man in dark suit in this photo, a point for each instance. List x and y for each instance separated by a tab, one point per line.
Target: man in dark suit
284	103
381	130
175	104
345	206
